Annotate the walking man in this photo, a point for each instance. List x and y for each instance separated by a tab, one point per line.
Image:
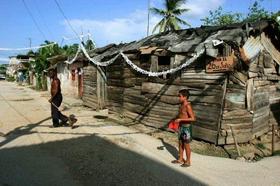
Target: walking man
55	100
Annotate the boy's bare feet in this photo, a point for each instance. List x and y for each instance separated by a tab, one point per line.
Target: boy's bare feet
186	164
177	161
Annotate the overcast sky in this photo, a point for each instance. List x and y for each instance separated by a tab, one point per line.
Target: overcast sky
109	21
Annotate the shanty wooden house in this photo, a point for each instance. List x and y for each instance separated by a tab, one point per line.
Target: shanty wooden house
233	79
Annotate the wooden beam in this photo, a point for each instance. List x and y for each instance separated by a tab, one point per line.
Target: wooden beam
221	109
235	142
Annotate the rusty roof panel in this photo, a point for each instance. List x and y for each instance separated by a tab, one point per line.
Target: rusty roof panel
275	54
252	48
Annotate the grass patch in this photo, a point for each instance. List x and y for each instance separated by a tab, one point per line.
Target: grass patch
276	153
10	79
260	146
210	151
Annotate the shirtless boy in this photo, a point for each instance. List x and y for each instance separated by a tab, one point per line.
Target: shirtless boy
185	117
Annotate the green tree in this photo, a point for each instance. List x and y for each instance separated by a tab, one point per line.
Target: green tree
70	49
89	45
276	17
219	17
170	15
3	69
257	12
41	62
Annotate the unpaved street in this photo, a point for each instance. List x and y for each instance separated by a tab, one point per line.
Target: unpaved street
101	152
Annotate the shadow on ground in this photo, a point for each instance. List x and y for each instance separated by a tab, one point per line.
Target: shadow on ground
20	131
170	148
89	160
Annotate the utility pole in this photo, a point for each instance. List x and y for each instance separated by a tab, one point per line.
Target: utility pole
148	26
82	30
30	41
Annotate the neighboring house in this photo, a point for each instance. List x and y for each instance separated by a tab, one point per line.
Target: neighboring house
233	79
70	75
3	70
12	67
19	68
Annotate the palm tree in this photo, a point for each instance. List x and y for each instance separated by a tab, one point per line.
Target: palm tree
170	13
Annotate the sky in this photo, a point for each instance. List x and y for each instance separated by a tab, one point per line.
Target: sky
31	22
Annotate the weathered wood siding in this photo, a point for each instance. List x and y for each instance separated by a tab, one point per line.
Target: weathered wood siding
90	76
154	100
252	101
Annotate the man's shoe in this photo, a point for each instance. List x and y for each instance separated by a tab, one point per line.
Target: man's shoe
72	119
64	123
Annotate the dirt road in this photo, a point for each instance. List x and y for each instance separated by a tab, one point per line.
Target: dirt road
101	152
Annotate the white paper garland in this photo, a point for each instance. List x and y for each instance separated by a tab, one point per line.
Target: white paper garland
170	71
76	55
132	65
29	48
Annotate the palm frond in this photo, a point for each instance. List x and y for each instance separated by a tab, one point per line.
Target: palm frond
173	23
182	21
180	11
163	26
158	11
159	25
173	4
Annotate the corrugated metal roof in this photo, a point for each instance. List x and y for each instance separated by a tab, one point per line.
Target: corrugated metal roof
192	40
266	42
252	48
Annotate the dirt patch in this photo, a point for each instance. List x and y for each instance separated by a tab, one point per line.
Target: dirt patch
256	149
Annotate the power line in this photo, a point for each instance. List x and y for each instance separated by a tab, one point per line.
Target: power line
33	19
63	14
43	19
27	48
148	25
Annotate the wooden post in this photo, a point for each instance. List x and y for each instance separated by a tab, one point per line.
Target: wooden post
222	109
272	140
250	94
235	142
101	91
154	63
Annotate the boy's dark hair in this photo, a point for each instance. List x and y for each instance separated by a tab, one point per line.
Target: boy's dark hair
184	92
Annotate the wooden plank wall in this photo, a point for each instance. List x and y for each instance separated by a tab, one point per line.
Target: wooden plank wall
261	108
266	94
235	115
154	101
252	101
274	100
206	97
90	97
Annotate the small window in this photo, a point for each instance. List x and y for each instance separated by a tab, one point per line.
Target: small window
145	61
164	61
224	50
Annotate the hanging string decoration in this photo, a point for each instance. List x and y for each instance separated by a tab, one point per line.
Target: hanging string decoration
96	61
28	48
